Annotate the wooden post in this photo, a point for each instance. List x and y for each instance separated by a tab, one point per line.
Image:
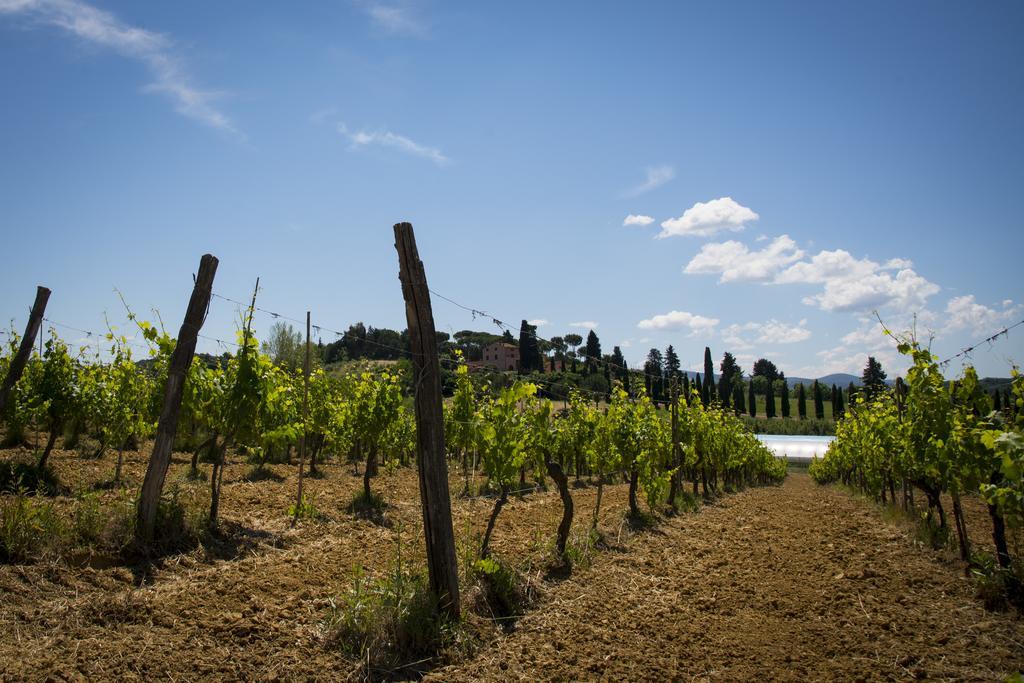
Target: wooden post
35	321
431	463
305	424
181	358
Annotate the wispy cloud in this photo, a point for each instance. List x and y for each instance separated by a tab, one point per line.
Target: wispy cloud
747	336
154	50
537	322
584	324
679	320
386	138
394	18
656	177
964	313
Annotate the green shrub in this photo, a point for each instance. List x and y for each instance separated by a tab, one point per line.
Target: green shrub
501	587
306	509
998	588
361	504
25	477
390	623
579	551
29	527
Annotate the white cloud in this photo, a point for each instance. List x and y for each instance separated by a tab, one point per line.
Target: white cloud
852	361
585	324
625	344
898	264
735	262
656	177
537	322
870	335
678	320
770	332
385	138
637	219
852	284
707	218
394	18
848	283
102	28
965	313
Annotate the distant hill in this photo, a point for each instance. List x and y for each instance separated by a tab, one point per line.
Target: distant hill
840	379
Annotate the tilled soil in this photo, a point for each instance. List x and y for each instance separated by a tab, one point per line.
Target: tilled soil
788	582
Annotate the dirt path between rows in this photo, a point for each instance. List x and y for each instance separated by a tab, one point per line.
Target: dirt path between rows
796	582
779	583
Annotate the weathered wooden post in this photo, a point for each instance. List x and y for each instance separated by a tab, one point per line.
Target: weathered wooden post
181	358
430	461
35	320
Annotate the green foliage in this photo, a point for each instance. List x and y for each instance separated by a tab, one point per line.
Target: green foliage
502	586
23	477
29	527
391	622
938	437
306	509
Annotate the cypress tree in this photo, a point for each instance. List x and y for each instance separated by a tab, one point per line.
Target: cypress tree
737	398
698	386
686	387
801	401
751	399
835	402
784	389
671	367
619	363
819	402
593	351
851	391
709	376
529	351
769	399
873	378
997	403
654	372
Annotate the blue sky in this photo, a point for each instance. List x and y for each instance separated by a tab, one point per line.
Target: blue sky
756	177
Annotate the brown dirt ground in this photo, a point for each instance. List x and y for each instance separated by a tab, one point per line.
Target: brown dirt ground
789	582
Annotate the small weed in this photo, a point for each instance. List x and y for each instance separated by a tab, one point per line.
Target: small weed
579	551
390	623
931	534
998	588
305	510
28	528
25	477
687	502
261	473
502	588
367	505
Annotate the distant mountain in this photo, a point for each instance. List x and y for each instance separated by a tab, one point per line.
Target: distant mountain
840	379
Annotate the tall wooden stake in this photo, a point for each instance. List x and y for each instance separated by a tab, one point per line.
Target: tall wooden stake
433	468
181	358
35	321
305	424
